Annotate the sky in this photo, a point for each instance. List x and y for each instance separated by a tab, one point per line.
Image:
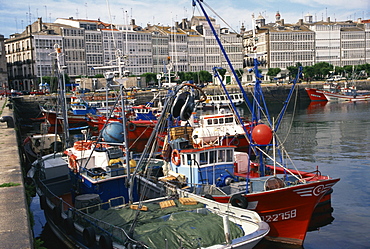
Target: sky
14	17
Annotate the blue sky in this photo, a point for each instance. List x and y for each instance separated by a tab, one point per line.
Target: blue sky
15	16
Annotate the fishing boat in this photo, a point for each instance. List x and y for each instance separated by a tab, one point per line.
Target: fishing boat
340	94
257	180
37	145
220	128
222	100
85	190
315	94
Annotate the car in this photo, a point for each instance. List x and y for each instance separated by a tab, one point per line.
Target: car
253	83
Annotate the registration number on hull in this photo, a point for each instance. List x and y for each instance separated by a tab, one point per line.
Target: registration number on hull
280	216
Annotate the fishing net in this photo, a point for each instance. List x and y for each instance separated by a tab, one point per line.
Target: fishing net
189	226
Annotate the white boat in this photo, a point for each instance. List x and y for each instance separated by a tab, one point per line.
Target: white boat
220	100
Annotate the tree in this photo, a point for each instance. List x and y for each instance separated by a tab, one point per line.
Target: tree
309	73
150	77
205	76
272	72
322	69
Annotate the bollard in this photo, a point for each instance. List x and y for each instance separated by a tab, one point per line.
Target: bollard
9	121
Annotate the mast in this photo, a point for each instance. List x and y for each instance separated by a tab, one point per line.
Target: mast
62	97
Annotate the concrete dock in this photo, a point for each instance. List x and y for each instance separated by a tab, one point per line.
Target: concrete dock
15	229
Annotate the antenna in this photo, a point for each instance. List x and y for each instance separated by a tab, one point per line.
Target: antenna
86	10
16	24
76	13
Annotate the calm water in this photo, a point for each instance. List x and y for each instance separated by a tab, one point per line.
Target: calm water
336	138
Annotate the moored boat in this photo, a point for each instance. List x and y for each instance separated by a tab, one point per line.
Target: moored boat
258	180
83	188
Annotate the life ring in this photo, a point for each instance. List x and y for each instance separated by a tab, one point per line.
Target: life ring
105	242
82	145
89	236
131	126
175	157
239	201
72	160
235	141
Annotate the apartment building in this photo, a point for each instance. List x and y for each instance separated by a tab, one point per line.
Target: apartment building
3	71
91	46
307	42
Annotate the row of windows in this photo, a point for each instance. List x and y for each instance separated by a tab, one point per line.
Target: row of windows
74	55
93	37
353	36
93	48
217	156
94	59
47	44
73	32
292	36
303	56
292	46
353	44
74	43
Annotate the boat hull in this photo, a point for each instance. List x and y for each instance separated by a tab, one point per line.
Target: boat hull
288	210
315	94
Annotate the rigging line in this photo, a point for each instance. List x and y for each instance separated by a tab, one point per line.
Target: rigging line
291	121
220	17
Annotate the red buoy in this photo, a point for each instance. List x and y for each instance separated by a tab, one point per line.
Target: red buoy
262	134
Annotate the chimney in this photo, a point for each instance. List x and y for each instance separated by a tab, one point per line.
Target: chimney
39	20
328	19
300	22
132	22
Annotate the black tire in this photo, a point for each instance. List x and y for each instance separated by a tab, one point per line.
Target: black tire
239	201
89	236
105	242
131	126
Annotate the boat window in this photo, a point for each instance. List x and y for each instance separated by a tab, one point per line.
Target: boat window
229	155
212	157
183	161
221	120
209	121
229	120
222	97
203	158
215	121
232	96
221	156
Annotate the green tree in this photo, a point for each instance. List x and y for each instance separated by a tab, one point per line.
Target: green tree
272	72
150	77
322	70
204	76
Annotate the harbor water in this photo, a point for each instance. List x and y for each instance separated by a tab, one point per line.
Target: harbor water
335	137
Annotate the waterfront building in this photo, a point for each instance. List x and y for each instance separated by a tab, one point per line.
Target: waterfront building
3	70
187	46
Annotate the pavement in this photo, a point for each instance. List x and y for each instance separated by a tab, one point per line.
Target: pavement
15	229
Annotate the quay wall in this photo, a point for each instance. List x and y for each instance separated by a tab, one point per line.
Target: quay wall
15	229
